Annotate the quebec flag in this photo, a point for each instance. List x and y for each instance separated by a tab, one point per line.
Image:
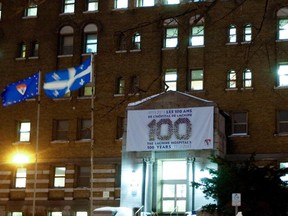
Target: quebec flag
59	83
21	90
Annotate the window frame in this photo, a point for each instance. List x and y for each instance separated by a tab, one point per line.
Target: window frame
90	30
283	77
247	33
120	86
232	34
247	79
192	80
169	82
69	6
95	5
20	180
171	41
33	9
34	52
282	16
121	4
84	129
63	134
231	79
20	132
239	123
22	50
59	176
136	41
280	121
83	179
145	3
66	37
119	127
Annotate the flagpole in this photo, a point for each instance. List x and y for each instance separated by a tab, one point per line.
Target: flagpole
36	145
92	135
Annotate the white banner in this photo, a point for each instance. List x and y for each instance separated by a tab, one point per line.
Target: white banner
170	129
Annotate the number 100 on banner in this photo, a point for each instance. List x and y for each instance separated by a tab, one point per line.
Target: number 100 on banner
170	129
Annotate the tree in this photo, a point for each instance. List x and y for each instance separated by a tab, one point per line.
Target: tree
262	190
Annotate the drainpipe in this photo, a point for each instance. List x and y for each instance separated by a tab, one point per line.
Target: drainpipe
148	185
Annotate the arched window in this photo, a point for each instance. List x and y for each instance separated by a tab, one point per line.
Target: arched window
66	40
247	78
282	32
231	79
232	34
197	31
90	38
171	33
247	33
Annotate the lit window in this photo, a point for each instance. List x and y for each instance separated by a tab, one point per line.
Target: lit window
120	86
282	16
247	36
66	40
282	74
69	6
247	78
84	129
16	213
34	49
120	4
174	185
136	39
120	127
171	2
0	10
84	177
90	32
145	3
231	79
24	131
232	34
171	80
55	213
197	31
86	91
92	5
59	177
283	122
171	33
197	79
20	181
22	50
239	123
60	130
81	213
31	10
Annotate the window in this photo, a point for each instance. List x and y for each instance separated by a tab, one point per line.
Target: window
197	31
247	78
59	177
84	176
121	42
282	16
31	11
171	33
247	34
120	4
24	131
282	75
120	86
120	127
197	79
134	84
81	213
136	39
283	122
92	5
22	50
66	40
171	80
145	3
16	213
60	130
86	91
90	32
168	2
69	6
0	10
284	165
239	123
231	79
34	49
55	213
84	129
20	181
174	178
232	34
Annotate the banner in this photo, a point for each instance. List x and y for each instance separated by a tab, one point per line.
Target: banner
170	129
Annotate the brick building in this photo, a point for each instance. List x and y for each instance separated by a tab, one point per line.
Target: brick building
228	54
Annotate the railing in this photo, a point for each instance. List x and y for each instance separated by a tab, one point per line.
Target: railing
136	213
175	210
